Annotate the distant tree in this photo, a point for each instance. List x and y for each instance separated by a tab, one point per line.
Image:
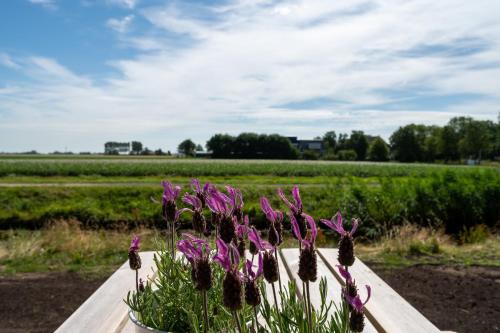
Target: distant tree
310	155
378	150
359	143
221	145
448	144
342	142
404	144
187	147
136	147
146	151
347	155
159	152
199	147
477	139
330	140
169	153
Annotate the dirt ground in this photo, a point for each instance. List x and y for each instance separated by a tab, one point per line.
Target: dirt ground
461	299
41	302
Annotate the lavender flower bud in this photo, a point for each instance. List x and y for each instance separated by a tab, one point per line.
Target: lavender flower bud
308	268
272	235
203	274
231	291
253	249
252	294
270	267
301	221
169	208
134	259
357	321
346	250
241	247
226	230
198	222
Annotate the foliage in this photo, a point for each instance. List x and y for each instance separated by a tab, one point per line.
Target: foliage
473	235
378	150
251	146
187	147
171	303
292	318
347	155
359	143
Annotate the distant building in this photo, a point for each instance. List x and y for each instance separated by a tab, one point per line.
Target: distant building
302	145
121	148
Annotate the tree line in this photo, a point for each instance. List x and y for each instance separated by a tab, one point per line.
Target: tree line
461	138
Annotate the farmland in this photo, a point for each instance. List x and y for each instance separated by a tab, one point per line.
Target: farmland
105	192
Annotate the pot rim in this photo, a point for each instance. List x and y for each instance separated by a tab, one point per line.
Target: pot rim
136	322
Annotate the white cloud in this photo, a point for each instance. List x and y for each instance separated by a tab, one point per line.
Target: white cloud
124	3
226	68
6	60
120	25
48	4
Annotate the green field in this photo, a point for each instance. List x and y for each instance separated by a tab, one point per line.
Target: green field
105	192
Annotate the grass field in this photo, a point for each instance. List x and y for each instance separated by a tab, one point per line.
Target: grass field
108	198
101	191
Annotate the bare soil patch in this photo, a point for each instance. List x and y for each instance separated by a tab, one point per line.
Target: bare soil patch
41	302
460	299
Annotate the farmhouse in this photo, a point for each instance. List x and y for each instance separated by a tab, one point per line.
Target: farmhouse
122	148
302	145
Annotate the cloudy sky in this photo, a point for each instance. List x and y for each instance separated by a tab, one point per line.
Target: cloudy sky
74	74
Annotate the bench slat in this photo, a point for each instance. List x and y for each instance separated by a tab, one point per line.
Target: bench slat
387	310
334	287
105	310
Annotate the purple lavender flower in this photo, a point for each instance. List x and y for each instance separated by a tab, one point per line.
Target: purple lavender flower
357	318
236	200
296	208
252	293
200	192
170	194
198	220
308	269
346	245
135	243
275	218
310	238
336	224
228	258
197	251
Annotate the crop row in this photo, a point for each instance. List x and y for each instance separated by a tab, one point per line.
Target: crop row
199	168
447	199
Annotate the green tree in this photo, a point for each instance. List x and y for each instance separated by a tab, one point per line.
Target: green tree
378	150
405	146
448	144
359	143
136	147
187	147
221	145
330	140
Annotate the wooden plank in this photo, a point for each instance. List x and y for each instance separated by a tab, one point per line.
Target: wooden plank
105	310
334	286
387	310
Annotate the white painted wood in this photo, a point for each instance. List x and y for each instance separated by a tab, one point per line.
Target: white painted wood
334	286
387	310
105	311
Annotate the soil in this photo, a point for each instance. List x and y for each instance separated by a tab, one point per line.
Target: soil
41	302
460	299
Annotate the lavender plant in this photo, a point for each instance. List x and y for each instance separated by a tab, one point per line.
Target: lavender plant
191	294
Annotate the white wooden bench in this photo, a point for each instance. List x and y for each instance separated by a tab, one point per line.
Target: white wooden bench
386	311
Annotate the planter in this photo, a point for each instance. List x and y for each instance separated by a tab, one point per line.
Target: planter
141	328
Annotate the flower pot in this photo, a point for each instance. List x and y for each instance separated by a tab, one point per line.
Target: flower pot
140	327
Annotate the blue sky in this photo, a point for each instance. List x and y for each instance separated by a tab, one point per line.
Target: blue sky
74	74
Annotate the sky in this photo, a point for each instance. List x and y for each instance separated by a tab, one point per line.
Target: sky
75	74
